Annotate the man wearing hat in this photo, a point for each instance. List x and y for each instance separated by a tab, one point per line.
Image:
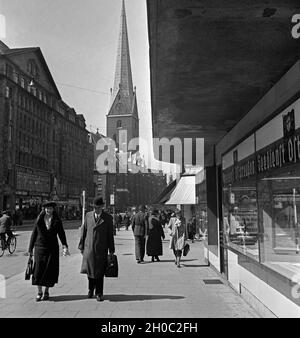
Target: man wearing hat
96	240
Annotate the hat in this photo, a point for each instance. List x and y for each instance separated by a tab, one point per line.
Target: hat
49	204
98	202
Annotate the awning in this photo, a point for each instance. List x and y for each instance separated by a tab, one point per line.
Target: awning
166	193
184	193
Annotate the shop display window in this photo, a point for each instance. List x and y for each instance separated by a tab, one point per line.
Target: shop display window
240	217
279	217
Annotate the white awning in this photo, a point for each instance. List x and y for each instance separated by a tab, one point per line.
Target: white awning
185	192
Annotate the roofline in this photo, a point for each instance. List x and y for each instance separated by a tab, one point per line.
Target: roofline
15	51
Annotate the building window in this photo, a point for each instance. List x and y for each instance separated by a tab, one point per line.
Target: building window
22	82
8	92
119	124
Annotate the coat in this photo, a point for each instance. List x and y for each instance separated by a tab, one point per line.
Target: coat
5	224
95	241
46	250
179	233
155	234
139	224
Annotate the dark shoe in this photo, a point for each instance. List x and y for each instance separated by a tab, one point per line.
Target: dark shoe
90	294
157	259
152	259
39	297
100	298
46	296
138	261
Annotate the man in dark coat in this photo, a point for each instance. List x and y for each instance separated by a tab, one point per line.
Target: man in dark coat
139	228
95	241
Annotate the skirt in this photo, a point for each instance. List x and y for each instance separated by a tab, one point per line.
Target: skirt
45	267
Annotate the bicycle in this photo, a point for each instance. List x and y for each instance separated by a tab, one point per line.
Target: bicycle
10	243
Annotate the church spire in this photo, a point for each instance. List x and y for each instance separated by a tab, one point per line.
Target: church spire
123	75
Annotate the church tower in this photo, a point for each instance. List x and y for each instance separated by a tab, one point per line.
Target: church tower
123	112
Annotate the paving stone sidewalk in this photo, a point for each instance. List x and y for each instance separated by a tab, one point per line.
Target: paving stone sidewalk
148	290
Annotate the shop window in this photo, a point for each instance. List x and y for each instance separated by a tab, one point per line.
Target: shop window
279	200
240	217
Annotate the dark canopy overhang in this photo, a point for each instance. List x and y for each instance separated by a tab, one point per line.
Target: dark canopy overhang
212	60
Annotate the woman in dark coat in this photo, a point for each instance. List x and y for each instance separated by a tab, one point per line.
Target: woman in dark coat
46	249
155	235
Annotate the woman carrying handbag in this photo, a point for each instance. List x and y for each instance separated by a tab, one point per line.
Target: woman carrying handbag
44	243
179	235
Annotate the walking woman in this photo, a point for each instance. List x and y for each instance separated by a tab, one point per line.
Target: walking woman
155	235
179	235
44	243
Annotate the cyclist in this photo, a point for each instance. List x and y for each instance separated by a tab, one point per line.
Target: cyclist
5	227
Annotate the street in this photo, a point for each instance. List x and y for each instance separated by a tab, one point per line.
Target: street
147	290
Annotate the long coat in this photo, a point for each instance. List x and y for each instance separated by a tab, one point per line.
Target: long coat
46	250
95	241
139	224
155	234
179	233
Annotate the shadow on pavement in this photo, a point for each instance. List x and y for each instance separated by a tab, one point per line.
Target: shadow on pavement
67	298
114	298
132	298
172	260
196	266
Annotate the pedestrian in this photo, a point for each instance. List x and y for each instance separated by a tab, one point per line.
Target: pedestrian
192	228
127	220
96	240
5	227
155	234
44	243
139	226
179	235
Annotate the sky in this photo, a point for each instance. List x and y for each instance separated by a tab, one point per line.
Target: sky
79	42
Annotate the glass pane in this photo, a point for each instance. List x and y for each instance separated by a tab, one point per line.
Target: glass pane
279	199
240	217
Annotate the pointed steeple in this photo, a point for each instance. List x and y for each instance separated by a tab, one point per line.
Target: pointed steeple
123	75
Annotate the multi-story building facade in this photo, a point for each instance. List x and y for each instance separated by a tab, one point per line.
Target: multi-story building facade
44	148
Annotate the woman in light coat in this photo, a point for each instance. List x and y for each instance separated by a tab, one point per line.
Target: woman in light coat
179	235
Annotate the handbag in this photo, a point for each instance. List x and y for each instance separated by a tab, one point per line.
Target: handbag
112	268
29	269
186	249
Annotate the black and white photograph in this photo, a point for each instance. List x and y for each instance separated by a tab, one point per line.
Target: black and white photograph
149	162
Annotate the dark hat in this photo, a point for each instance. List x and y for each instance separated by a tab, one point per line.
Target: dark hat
49	204
98	202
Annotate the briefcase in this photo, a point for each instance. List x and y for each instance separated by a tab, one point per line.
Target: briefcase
112	266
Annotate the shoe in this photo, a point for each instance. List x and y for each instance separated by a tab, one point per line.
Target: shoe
152	259
90	294
100	298
157	259
138	261
39	297
46	296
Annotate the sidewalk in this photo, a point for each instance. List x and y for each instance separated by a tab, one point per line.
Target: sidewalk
148	290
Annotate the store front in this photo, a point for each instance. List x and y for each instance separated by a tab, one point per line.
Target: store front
261	213
32	189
